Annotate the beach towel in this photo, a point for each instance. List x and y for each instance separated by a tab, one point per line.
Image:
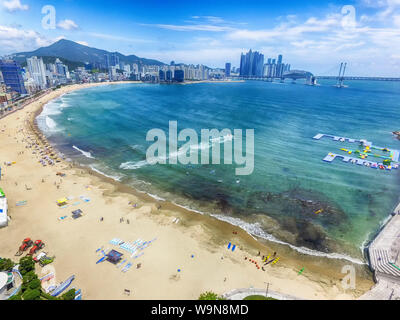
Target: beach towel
62	201
116	241
121	263
234	247
84	198
126	268
229	245
139	255
101	260
77	214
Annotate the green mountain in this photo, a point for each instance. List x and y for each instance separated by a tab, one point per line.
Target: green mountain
75	52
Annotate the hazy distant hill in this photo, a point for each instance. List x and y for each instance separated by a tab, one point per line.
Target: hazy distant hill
75	52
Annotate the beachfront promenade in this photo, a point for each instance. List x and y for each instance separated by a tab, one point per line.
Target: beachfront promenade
23	103
240	294
384	257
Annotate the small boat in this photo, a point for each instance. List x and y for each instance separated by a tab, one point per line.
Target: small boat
64	285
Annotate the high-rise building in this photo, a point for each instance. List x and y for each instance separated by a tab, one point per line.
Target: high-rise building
37	71
114	60
274	68
179	75
112	73
107	61
135	68
12	75
127	68
161	75
279	66
168	75
61	69
227	69
251	64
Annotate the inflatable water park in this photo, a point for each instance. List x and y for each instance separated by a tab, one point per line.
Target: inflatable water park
364	153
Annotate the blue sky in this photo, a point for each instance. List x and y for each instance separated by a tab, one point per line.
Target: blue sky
312	35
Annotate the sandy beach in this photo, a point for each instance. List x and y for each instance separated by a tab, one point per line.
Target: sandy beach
195	244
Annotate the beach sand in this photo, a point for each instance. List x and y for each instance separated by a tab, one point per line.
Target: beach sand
74	242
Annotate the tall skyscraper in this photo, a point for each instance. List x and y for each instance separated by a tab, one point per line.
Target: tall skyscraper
12	75
61	68
37	71
161	75
227	69
179	75
114	60
251	64
279	70
168	75
135	68
107	61
112	73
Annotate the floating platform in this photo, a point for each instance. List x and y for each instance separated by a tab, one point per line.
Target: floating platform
337	138
393	155
361	162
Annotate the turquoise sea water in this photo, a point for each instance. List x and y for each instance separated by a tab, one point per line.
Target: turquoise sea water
105	127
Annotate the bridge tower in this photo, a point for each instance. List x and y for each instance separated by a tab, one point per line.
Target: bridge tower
340	78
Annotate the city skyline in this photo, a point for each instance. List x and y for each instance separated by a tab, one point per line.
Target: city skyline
311	35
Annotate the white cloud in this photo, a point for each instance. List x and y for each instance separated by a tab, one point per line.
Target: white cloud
118	38
396	20
15	40
318	43
67	25
15	5
196	27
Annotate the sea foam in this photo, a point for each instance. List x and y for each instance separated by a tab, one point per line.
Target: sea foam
133	165
87	154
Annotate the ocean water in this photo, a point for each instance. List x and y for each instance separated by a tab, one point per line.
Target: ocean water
105	128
